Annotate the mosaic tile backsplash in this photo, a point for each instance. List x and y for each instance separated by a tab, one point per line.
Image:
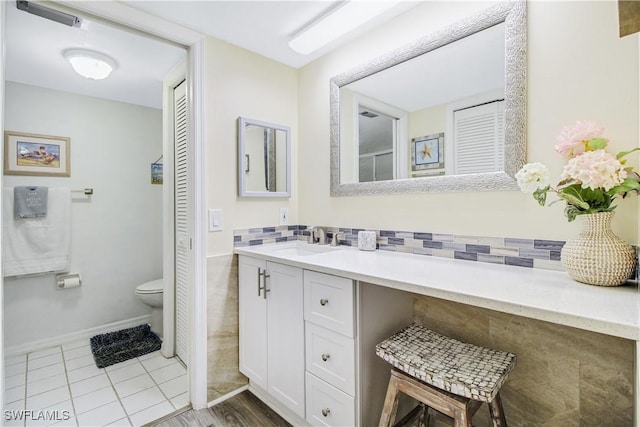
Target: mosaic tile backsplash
531	253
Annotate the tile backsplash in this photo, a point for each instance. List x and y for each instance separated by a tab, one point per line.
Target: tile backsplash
531	253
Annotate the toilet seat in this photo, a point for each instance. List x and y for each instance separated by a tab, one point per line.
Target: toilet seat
153	287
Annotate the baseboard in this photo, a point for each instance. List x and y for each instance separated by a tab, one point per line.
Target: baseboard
29	347
227	396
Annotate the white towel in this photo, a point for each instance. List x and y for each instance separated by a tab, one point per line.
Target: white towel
37	245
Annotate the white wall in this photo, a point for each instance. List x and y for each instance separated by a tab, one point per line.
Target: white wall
578	68
241	83
116	234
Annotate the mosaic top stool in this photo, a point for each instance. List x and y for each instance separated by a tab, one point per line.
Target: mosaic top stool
446	375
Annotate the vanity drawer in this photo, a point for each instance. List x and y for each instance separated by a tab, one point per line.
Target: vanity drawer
328	406
331	357
328	302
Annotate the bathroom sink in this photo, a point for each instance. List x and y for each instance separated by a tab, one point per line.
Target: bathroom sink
304	249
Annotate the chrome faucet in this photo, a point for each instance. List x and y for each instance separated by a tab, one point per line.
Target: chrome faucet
336	239
318	235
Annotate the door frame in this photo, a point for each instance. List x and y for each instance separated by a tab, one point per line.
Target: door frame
131	18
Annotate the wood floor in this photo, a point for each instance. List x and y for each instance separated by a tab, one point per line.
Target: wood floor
242	410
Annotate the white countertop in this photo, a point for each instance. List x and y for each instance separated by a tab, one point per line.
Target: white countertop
535	293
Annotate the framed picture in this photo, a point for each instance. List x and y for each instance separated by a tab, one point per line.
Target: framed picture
427	152
37	155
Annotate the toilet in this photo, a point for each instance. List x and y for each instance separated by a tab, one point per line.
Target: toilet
151	293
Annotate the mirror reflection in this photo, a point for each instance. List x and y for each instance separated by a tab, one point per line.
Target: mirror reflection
445	113
455	92
264	159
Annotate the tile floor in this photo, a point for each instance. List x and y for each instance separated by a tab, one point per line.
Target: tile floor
65	378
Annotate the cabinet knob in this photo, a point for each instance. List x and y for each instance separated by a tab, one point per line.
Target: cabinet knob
326	356
326	412
324	301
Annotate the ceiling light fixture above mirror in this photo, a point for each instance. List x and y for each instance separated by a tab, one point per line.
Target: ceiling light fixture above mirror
338	22
89	64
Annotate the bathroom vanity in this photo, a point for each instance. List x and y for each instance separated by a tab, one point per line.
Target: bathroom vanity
310	317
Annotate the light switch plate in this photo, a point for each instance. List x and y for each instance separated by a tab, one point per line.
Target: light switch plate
215	219
284	216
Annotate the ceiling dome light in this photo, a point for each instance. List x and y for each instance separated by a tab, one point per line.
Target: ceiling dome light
90	64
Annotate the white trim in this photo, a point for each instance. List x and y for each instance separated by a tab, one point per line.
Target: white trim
17	350
174	77
227	396
400	149
198	342
2	62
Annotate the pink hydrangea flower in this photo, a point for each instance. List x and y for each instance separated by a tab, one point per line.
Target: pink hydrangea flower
595	169
572	139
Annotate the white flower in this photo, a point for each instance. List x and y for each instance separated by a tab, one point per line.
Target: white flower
532	177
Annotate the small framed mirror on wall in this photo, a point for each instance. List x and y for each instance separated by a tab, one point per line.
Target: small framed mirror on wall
264	159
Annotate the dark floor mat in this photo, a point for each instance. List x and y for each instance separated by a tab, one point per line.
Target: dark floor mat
115	347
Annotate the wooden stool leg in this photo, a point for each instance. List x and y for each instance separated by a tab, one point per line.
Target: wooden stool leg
390	406
497	413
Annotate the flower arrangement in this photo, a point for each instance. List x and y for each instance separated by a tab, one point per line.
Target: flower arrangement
591	179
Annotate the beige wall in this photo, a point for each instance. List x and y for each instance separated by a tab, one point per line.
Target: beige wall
241	83
578	68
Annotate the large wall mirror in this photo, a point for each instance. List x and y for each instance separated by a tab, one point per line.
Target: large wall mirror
264	159
445	113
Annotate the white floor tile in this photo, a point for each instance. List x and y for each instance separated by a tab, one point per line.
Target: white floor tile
76	344
120	423
103	415
13	421
15	381
15	359
142	400
79	362
90	384
121	365
181	400
134	385
151	414
14	394
77	352
83	373
126	373
49	398
46	384
42	353
71	422
150	355
94	399
41	362
46	372
157	362
175	386
16	368
61	412
168	372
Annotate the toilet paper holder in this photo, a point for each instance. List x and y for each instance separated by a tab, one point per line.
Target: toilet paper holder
65	281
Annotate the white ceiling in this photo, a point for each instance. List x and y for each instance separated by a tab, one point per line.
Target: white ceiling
34	45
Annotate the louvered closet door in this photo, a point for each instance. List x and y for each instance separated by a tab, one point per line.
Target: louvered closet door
183	199
479	138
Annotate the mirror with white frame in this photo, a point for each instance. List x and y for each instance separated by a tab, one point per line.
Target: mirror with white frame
445	113
264	159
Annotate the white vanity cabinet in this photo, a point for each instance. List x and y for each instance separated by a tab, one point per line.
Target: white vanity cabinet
272	330
330	349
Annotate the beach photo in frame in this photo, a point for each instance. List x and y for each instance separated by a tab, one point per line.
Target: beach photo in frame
36	155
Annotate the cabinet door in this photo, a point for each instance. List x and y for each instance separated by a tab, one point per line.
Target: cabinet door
252	321
285	348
